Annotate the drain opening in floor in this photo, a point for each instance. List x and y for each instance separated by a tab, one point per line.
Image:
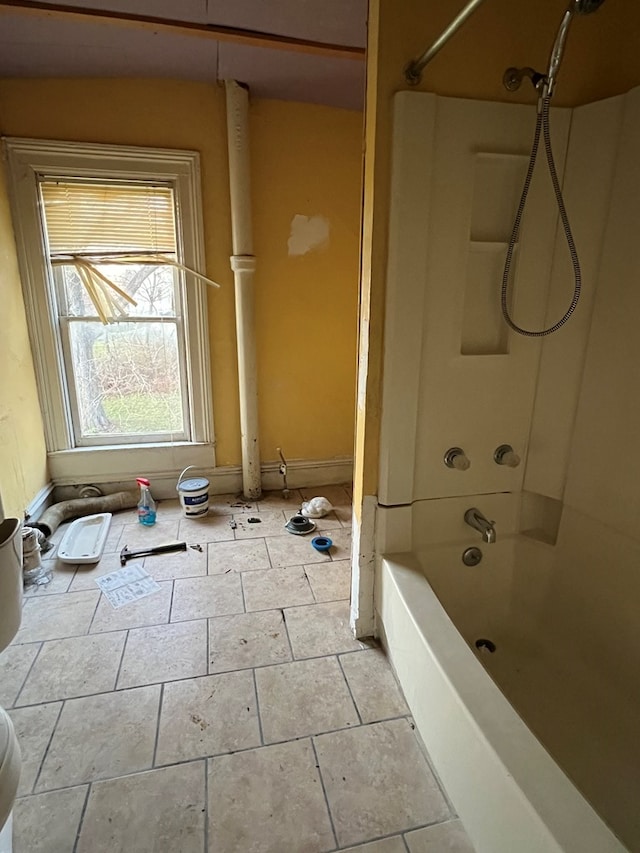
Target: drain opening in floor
485	645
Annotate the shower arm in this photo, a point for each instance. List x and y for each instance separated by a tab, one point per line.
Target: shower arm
413	71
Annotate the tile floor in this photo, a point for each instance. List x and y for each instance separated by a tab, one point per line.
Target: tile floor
232	711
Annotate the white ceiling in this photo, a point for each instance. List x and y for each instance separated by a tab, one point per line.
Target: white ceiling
48	44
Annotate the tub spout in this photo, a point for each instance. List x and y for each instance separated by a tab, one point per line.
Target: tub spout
474	518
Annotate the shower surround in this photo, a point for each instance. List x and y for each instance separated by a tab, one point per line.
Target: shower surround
534	741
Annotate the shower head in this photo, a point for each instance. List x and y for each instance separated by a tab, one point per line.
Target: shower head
575	7
585	7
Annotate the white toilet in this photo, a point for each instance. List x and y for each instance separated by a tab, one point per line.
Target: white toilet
10	615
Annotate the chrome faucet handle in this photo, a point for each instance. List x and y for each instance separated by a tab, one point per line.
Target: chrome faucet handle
455	457
506	455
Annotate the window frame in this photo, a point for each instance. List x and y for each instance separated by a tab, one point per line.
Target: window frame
27	159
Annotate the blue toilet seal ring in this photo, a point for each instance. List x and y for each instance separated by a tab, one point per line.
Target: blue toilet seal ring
321	543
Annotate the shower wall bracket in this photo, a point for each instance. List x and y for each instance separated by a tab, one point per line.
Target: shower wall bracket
513	77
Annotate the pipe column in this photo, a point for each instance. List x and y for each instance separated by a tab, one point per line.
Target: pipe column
243	264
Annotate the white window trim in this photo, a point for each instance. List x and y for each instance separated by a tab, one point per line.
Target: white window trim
28	158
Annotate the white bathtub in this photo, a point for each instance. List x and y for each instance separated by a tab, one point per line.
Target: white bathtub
511	794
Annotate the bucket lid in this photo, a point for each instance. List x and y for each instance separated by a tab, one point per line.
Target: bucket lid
196	484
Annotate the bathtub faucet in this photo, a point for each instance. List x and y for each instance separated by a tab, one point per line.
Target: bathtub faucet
474	518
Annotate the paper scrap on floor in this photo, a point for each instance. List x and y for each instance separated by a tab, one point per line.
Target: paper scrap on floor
126	585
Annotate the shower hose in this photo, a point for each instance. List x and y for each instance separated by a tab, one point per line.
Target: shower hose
542	125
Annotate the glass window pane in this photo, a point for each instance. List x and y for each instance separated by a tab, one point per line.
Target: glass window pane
127	378
154	288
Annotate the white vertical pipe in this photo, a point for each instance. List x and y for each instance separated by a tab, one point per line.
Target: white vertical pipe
243	264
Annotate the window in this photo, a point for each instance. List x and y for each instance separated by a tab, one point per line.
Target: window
106	236
126	378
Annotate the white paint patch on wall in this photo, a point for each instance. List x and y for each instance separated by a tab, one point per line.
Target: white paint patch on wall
307	233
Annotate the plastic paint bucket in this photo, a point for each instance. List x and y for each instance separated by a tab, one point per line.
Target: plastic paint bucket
193	494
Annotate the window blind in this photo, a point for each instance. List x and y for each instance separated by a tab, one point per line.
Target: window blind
93	217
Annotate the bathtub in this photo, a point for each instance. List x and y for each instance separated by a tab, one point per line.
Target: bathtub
536	744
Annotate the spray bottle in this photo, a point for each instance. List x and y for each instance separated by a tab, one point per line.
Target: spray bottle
146	504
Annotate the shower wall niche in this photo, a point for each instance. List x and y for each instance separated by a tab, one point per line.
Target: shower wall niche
497	181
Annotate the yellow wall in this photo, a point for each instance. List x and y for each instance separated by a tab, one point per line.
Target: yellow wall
306	160
600	60
23	459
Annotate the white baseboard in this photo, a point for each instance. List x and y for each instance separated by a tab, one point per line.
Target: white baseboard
42	500
301	473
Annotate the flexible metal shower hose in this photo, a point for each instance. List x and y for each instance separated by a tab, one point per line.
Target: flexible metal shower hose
542	124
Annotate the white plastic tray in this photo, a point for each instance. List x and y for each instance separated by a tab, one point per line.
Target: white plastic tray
84	540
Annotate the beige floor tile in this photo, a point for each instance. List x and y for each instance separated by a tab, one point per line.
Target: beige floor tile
230	504
447	837
266	590
322	629
85	576
207	716
78	666
327	522
200	598
48	823
114	534
341	548
98	737
373	685
336	495
51	617
330	581
61	577
302	698
238	556
152	610
345	514
385	845
247	640
161	811
33	727
164	653
137	535
274	500
226	504
268	800
293	550
272	523
124	516
15	663
182	564
209	528
56	537
170	509
377	781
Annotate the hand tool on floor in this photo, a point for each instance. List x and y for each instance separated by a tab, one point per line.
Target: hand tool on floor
126	554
